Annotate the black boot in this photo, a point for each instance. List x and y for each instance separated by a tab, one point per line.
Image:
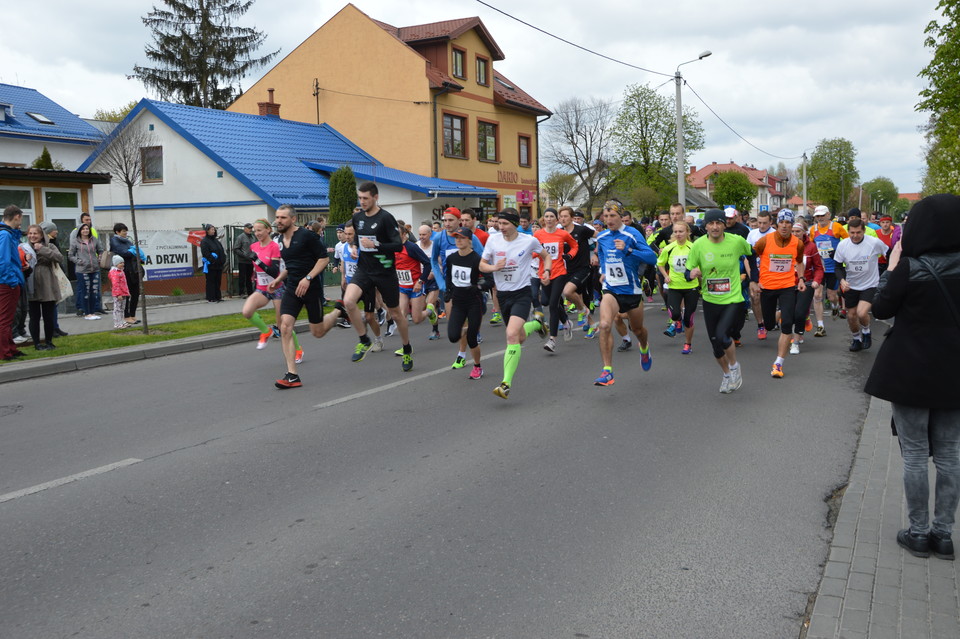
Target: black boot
916	545
941	546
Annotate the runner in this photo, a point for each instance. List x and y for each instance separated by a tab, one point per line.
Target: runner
378	239
304	257
886	235
764	228
622	251
827	236
858	271
465	292
413	269
508	256
577	288
813	278
266	267
780	268
561	246
431	290
715	260
679	290
368	301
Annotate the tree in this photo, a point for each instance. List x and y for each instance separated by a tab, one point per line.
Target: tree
114	115
579	142
343	195
881	193
199	53
734	188
898	208
45	161
645	131
120	154
791	176
645	200
560	187
832	172
941	98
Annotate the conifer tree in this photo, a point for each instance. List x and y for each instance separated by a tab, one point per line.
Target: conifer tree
342	194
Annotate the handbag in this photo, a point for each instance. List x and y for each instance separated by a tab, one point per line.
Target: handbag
65	289
106	259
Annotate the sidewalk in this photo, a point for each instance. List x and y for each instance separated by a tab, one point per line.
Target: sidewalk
871	587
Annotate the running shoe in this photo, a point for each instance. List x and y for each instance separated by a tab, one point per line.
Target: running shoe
737	343
432	314
343	322
605	379
762	333
496	319
91	317
567	331
290	380
856	345
843	313
571	307
276	331
550	345
592	332
434	335
360	352
381	316
625	345
542	331
821	332
407	364
808	326
777	371
298	357
479	339
686	349
391	328
867	341
460	363
794	348
264	338
736	377
377	345
399	352
477	372
581	320
503	390
671	330
646	360
726	383
442	315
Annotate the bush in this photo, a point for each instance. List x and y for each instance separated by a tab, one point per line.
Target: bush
342	194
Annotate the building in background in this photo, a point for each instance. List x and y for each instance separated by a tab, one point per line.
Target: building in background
770	188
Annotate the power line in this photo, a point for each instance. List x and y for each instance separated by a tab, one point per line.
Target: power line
573	44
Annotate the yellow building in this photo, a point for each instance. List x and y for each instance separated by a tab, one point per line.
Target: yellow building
425	99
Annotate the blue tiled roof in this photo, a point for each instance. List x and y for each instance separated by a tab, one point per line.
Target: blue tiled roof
404	179
18	101
274	158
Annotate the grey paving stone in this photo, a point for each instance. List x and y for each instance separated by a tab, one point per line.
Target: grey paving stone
888	576
832	587
889	559
847	633
913	609
944	603
914	628
822	626
836	569
883	632
866	550
844	555
887	595
857	600
844	538
868	535
860	581
864	565
945	625
885	615
828	606
855	620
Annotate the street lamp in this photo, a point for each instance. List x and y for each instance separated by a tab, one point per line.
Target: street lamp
681	168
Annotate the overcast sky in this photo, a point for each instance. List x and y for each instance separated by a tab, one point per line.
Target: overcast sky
784	75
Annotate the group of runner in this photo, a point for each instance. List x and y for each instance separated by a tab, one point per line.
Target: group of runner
779	268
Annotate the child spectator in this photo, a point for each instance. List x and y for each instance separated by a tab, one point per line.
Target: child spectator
120	291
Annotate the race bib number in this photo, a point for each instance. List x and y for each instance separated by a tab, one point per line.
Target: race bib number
461	276
679	263
780	263
616	274
553	249
263	279
405	278
718	285
350	269
825	248
859	266
372	238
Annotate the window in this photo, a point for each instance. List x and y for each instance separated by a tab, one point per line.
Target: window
453	136
39	117
20	197
62	199
151	167
524	150
487	141
482	66
457	66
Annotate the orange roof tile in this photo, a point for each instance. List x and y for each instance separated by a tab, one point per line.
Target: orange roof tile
445	30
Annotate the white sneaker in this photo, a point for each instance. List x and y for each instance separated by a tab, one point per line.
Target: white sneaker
725	385
377	345
91	317
391	328
794	348
736	379
550	345
567	331
21	339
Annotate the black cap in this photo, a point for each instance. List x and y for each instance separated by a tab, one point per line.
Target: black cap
578	214
714	215
463	232
248	225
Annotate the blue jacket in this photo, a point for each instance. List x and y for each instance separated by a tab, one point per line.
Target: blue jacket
11	273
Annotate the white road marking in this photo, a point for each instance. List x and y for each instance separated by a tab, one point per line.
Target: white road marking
67	480
400	382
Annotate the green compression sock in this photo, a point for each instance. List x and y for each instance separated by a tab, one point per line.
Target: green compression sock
531	327
296	341
257	321
511	359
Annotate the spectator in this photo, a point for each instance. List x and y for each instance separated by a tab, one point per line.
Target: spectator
85	253
122	245
241	249
52	232
120	292
214	258
921	288
11	279
42	287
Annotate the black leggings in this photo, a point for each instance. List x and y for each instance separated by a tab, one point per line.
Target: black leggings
786	299
133	283
690	297
551	296
469	311
719	320
802	310
48	311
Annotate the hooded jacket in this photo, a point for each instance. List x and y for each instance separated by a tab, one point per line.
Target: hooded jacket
914	362
86	255
45	287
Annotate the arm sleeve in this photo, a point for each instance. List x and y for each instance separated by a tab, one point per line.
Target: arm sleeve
393	243
840	271
416	253
891	290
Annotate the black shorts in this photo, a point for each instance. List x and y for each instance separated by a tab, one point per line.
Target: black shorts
515	303
627	303
852	297
430	285
290	304
830	281
580	276
385	282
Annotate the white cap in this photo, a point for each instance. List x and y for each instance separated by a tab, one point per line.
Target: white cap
821	210
730	211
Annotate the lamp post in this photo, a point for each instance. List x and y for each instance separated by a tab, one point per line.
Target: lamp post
681	168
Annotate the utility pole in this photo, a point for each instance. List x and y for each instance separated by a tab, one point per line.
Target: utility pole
681	165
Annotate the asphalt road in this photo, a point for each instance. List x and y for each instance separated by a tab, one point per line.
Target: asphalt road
373	503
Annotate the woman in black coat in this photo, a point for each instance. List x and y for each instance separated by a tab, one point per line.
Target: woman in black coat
214	259
915	368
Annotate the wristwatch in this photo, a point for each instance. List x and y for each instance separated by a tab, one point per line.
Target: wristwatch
308	277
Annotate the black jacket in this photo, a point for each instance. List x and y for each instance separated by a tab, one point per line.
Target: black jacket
210	245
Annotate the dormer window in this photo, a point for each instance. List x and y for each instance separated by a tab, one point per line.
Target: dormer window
39	117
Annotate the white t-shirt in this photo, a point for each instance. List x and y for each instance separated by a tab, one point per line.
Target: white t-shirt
519	255
755	234
860	261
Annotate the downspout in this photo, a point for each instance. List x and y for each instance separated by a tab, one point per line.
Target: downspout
537	132
436	141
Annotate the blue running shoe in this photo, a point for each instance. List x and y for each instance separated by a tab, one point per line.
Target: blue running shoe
605	379
646	360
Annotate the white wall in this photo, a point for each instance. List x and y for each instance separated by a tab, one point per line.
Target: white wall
17	151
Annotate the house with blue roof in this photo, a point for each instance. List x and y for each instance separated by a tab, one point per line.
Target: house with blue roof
208	166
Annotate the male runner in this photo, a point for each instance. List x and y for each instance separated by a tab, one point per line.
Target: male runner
764	228
578	267
827	235
858	271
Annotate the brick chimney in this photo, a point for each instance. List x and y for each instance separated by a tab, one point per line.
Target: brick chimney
269	108
693	168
